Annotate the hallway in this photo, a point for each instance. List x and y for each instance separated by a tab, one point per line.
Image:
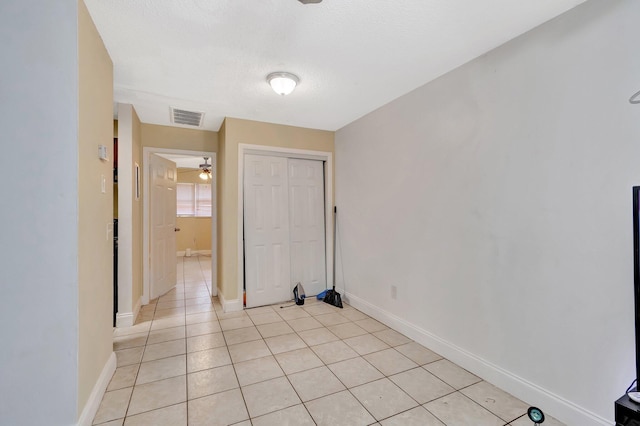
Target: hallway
187	362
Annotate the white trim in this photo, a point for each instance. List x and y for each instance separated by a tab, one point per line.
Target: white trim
93	403
146	155
233	305
555	405
325	156
127	319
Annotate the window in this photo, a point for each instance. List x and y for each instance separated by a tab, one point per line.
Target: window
193	199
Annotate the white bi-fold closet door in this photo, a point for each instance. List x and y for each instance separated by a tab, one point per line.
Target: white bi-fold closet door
284	234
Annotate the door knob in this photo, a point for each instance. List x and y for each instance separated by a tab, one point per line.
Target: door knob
176	229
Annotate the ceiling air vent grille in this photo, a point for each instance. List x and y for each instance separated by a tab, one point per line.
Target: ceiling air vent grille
189	118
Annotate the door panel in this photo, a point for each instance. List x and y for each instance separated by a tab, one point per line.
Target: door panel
267	269
162	205
306	189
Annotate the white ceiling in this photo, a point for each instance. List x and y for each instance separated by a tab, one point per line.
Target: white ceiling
352	56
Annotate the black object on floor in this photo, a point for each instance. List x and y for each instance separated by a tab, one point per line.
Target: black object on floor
332	297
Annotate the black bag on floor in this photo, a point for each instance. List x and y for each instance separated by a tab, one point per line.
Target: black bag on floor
298	294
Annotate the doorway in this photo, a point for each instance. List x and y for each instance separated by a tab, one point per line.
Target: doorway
194	157
285	200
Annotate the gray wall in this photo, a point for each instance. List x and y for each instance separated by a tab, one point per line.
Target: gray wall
497	199
39	281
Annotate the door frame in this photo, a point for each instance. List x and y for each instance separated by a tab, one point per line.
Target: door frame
304	154
146	155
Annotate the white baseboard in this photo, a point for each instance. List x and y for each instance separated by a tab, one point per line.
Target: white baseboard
92	405
232	305
127	319
182	253
555	405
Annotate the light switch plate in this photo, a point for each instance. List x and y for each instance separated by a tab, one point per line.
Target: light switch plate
102	152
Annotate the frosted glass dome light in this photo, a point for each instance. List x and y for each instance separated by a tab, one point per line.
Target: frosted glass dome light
283	83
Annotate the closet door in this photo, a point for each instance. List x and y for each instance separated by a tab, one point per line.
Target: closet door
306	212
266	230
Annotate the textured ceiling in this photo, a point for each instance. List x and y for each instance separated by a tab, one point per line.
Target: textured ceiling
352	56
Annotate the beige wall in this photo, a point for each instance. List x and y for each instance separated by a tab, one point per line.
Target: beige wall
236	131
95	214
195	232
179	138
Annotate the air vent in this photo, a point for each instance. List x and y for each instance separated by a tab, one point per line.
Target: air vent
189	118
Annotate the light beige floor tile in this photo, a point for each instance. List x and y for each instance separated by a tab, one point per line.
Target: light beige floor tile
130	341
302	324
451	374
415	417
298	360
134	329
252	312
353	314
499	402
248	351
176	295
332	319
317	336
418	353
231	315
162	323
321	309
241	335
206	300
333	352
129	356
206	359
390	361
174	415
383	398
124	377
162	369
366	344
220	409
235	323
392	337
266	318
355	372
272	395
164	350
203	328
163	393
421	385
258	370
371	325
201	317
205	341
292	416
285	343
113	406
169	304
213	380
339	409
457	410
168	313
118	422
293	313
344	331
198	309
164	335
312	384
274	329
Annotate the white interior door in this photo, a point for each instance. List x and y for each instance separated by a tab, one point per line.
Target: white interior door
266	230
162	206
306	214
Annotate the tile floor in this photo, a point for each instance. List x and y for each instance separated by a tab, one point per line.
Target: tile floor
187	362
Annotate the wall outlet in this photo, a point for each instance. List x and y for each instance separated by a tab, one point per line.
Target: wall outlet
394	292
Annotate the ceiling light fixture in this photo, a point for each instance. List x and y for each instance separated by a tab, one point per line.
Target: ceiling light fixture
283	83
309	1
206	169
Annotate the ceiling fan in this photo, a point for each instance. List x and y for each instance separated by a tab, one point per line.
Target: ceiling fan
205	174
